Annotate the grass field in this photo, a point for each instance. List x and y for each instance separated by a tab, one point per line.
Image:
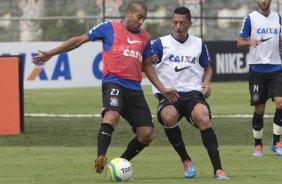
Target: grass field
62	150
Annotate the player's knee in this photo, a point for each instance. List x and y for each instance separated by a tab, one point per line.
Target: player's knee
170	120
257	122
202	122
169	116
278	117
146	137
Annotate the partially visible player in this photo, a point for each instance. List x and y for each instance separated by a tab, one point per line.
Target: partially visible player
261	33
184	64
126	51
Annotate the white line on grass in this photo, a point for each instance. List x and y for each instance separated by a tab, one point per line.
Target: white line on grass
99	115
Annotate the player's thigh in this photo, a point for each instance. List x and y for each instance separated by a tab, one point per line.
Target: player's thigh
113	98
275	84
200	116
257	88
196	109
137	112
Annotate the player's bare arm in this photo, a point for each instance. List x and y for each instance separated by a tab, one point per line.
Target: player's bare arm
280	41
66	46
246	42
206	81
170	94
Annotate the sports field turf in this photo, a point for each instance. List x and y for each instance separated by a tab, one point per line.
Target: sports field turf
62	150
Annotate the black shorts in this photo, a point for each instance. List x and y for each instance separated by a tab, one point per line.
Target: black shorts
184	105
264	85
131	104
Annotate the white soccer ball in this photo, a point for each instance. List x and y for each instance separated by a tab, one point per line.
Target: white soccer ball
119	169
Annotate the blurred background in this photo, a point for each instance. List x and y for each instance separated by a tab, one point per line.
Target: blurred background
29	25
49	20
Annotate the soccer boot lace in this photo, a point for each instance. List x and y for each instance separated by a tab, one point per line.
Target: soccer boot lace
219	175
277	148
258	151
100	163
189	169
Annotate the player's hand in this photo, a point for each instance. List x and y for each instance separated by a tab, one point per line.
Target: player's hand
206	90
154	59
41	58
170	94
255	42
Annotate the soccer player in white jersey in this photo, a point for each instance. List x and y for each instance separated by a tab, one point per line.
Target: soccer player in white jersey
184	65
261	33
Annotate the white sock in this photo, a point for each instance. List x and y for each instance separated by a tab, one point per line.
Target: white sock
257	134
277	130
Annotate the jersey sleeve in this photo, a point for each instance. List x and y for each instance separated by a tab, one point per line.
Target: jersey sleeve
204	58
158	48
280	23
103	32
148	50
246	27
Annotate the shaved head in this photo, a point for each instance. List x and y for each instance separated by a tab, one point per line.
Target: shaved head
133	4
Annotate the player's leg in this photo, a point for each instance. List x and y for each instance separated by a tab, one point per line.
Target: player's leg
136	111
275	91
201	118
144	136
198	114
257	125
113	103
169	116
276	145
258	93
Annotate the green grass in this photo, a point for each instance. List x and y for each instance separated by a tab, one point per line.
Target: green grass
226	98
77	132
155	165
62	150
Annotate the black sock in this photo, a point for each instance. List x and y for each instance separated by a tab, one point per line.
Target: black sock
134	147
258	142
210	142
104	138
275	139
175	138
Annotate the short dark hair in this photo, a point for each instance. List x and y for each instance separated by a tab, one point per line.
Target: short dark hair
132	5
183	11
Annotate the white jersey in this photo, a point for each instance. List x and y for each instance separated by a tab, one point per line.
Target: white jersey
267	29
182	64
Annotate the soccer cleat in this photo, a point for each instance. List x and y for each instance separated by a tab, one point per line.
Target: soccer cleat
277	148
189	169
100	163
219	175
258	151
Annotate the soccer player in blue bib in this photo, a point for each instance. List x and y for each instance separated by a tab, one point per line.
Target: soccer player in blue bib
184	65
261	33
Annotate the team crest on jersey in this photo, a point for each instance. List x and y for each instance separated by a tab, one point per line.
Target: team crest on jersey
114	101
255	97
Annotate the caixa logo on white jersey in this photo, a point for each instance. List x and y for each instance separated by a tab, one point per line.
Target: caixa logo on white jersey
133	53
268	30
175	58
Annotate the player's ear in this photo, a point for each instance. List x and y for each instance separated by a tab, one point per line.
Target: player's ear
190	24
